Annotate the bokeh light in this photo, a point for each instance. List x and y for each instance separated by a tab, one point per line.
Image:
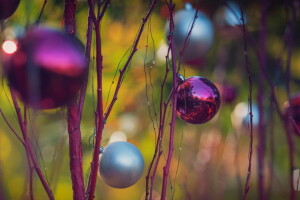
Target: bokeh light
9	46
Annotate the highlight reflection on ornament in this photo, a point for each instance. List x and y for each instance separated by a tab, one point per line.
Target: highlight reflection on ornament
121	164
47	69
7	8
201	37
293	109
198	100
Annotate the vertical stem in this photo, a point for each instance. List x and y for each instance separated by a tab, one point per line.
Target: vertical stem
74	112
248	69
288	125
260	99
69	17
98	114
166	168
28	148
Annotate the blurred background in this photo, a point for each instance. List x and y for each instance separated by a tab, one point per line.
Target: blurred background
210	160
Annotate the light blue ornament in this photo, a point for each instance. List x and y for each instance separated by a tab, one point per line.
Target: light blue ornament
121	164
201	37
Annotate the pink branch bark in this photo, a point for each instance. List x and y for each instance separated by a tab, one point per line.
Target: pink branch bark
166	168
260	100
28	148
100	117
75	110
125	67
150	178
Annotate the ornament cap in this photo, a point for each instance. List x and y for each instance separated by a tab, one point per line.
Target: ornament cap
180	79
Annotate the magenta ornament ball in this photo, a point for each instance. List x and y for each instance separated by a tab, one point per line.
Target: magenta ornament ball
198	100
48	68
7	8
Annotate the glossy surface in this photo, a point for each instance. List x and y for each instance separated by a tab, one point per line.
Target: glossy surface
201	38
121	164
293	109
198	100
7	8
48	68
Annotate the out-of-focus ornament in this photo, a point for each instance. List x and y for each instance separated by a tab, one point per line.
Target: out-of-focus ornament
47	69
198	100
201	37
292	108
227	91
228	19
7	8
121	164
240	115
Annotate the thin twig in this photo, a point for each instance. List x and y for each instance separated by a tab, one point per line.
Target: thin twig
28	148
125	67
11	128
248	69
41	13
174	103
99	119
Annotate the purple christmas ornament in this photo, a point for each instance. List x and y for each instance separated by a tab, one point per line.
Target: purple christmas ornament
48	68
198	100
7	8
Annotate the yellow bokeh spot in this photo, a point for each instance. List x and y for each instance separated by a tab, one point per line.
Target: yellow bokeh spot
64	191
115	32
16	187
5	147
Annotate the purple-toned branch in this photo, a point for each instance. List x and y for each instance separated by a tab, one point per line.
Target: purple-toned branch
260	100
99	116
166	168
74	112
29	151
248	69
30	169
158	147
125	67
11	128
288	126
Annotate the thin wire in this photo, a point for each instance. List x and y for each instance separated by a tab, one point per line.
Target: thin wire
38	147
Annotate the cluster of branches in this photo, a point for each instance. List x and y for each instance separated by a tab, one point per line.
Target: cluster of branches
97	11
